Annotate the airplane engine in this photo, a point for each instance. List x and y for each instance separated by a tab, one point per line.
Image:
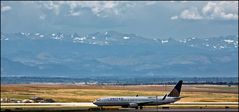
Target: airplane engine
133	105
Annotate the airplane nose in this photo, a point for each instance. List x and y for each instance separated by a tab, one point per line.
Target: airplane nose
95	102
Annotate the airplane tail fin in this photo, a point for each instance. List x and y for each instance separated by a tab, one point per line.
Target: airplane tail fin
176	90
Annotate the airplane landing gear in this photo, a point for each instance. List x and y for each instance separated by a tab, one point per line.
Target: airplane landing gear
141	107
137	108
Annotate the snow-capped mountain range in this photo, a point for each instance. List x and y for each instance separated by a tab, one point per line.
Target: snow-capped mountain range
112	37
113	53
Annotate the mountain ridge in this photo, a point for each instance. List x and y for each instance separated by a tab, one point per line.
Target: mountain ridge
115	54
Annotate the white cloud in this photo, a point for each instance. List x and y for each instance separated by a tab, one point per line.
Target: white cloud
52	5
184	1
223	10
173	1
191	14
174	17
74	13
151	2
98	8
5	8
43	17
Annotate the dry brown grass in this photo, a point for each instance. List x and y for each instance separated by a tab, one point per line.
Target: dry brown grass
86	93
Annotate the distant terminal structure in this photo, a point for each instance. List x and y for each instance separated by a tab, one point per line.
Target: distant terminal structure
34	99
120	80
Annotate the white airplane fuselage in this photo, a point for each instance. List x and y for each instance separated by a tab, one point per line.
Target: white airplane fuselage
135	101
140	101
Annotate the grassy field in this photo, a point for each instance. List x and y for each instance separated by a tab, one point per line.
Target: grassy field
88	93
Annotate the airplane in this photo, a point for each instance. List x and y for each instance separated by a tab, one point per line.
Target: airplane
140	101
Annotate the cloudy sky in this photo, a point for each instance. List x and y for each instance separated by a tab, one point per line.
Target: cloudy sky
150	19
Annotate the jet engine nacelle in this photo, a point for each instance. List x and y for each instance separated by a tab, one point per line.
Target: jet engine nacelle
133	105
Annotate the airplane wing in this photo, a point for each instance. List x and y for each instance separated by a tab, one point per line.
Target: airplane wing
183	96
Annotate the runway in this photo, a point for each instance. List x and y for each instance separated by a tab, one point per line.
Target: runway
93	105
182	110
86	106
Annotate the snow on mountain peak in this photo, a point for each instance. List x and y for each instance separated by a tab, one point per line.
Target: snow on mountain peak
183	41
229	41
106	42
37	34
57	36
126	38
164	41
41	36
221	47
111	37
79	38
27	34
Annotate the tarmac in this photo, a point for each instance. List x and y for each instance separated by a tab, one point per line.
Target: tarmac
89	106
